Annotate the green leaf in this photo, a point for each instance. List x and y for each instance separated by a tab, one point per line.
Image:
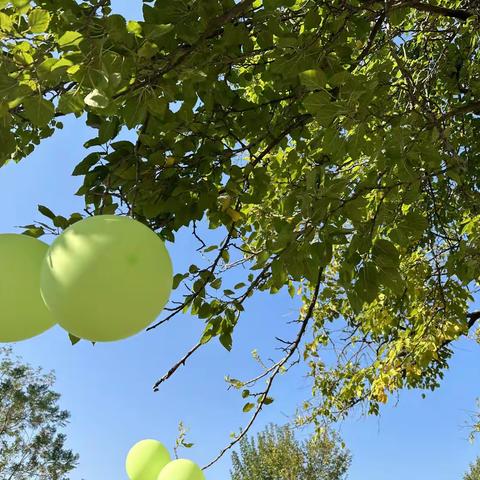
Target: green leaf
416	223
117	27
35	232
367	282
385	254
7	145
73	339
134	112
38	110
71	103
70	40
46	212
74	218
339	78
60	222
391	278
84	166
319	105
313	79
323	253
147	50
155	32
226	340
157	106
315	102
38	20
247	407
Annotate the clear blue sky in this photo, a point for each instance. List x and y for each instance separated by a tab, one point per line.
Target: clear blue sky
107	387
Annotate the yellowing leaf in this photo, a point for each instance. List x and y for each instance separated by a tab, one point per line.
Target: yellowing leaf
234	215
70	39
5	22
20	3
134	27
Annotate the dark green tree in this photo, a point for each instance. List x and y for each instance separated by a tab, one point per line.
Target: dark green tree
473	471
276	454
31	445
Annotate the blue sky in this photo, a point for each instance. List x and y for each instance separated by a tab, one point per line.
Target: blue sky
107	387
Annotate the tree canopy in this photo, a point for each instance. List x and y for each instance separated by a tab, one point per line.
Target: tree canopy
473	472
275	453
332	145
31	446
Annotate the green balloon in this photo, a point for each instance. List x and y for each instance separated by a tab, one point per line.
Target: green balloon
181	469
22	311
106	278
145	460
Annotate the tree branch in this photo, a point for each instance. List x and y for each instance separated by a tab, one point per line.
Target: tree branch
180	363
371	39
190	298
297	122
472	318
473	107
277	369
178	58
437	10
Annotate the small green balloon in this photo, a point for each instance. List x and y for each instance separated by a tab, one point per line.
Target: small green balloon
23	313
106	278
145	460
181	469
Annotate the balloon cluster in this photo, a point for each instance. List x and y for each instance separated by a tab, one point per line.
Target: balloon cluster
104	278
150	460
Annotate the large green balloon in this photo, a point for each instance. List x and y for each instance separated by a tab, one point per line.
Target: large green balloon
146	459
106	278
22	311
181	469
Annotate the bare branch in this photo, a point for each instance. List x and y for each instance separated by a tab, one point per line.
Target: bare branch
175	367
277	369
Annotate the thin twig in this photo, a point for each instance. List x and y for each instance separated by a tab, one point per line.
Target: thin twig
278	368
175	367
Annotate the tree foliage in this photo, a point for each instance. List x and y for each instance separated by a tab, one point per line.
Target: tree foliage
473	471
275	453
31	447
332	146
